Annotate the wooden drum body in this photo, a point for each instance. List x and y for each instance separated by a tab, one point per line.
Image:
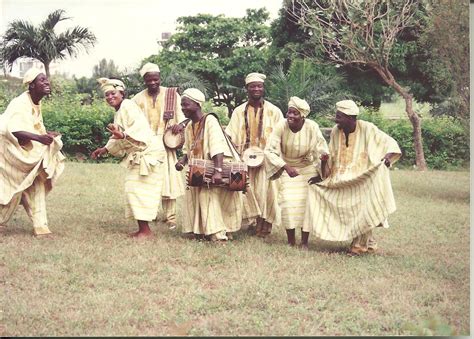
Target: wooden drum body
234	174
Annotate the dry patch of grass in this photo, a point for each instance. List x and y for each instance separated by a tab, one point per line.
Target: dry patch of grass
93	280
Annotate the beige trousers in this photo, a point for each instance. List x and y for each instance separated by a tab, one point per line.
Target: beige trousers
33	200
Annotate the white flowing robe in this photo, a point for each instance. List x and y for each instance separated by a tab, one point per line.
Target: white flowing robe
22	165
357	195
143	157
261	198
213	209
172	182
300	150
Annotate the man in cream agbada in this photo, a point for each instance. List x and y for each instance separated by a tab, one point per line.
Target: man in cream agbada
30	157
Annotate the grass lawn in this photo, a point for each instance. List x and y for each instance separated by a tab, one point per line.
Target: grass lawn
396	109
92	280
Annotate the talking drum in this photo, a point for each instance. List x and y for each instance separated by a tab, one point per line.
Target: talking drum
253	156
234	174
173	141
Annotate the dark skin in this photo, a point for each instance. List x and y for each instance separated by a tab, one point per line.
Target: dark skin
115	98
38	89
255	92
153	81
192	111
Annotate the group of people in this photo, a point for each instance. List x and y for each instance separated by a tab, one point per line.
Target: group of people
337	192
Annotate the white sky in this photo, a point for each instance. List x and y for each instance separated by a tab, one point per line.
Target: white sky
126	30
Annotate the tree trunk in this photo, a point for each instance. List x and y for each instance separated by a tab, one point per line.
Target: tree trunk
412	115
46	69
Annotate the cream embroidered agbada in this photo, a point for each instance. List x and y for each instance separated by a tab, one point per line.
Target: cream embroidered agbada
27	172
173	185
210	210
357	195
261	197
143	157
300	150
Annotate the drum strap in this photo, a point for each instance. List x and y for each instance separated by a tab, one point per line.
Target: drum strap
247	128
170	104
197	145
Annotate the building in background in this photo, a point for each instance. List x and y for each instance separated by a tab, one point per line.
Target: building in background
21	65
165	36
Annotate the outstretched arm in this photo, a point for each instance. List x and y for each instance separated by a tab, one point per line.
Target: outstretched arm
23	137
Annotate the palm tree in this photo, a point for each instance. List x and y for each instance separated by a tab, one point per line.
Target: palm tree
22	39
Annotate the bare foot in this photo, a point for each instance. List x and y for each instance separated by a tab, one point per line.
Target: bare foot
141	235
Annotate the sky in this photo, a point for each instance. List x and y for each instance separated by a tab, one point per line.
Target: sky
126	31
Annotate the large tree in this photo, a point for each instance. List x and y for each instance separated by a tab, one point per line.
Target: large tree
442	56
220	50
23	39
364	33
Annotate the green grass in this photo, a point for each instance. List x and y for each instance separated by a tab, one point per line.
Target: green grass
90	279
396	109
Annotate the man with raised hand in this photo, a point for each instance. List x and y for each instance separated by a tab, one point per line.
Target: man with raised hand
30	157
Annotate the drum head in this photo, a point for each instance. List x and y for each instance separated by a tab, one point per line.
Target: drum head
253	156
173	141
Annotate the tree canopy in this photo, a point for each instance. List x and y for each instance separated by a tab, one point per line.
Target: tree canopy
23	39
365	33
220	50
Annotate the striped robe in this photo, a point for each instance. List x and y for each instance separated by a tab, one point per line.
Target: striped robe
173	185
357	195
143	158
300	150
27	172
261	199
210	210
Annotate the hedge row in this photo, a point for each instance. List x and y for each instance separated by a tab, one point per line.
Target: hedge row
445	140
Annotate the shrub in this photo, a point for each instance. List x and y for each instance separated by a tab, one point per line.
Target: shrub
82	126
445	139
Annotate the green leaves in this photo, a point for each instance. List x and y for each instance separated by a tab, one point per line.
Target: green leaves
22	39
219	50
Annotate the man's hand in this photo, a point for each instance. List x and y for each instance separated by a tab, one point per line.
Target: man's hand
177	128
217	178
54	134
387	160
45	139
179	165
292	172
116	132
99	152
315	180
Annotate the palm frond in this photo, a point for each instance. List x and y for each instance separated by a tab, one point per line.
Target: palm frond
53	19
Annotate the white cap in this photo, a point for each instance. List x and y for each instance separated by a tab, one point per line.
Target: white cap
195	95
149	67
31	75
348	107
301	105
110	84
255	77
